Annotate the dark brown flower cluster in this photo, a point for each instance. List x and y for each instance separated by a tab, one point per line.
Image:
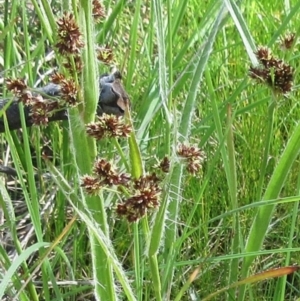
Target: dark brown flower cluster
91	184
16	86
272	71
69	42
40	109
147	193
288	41
145	190
108	126
164	164
69	91
98	11
69	36
105	175
194	157
105	171
19	88
105	54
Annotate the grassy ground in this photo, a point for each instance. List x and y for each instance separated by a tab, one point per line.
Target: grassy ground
185	65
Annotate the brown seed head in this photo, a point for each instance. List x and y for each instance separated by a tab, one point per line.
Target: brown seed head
264	55
98	11
17	86
189	151
194	157
39	110
69	36
91	184
288	41
108	175
57	78
193	166
165	164
69	91
274	72
105	54
108	126
147	193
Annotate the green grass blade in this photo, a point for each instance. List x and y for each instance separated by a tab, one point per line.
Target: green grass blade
16	264
264	214
184	128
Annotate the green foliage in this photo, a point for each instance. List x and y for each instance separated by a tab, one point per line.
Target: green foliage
185	65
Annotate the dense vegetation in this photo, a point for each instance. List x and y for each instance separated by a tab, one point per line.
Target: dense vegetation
208	188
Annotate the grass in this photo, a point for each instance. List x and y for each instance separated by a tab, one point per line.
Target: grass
185	65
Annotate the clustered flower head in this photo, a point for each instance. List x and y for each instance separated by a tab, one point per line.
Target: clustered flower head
194	157
108	126
147	194
272	71
91	184
69	36
104	175
41	109
98	11
69	42
69	90
105	171
145	190
288	41
16	86
105	54
164	164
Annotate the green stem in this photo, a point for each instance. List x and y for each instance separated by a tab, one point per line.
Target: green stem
268	139
84	149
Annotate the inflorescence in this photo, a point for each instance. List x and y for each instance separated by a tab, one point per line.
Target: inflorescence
144	191
288	41
108	126
146	197
272	71
98	11
42	109
69	42
194	157
69	38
